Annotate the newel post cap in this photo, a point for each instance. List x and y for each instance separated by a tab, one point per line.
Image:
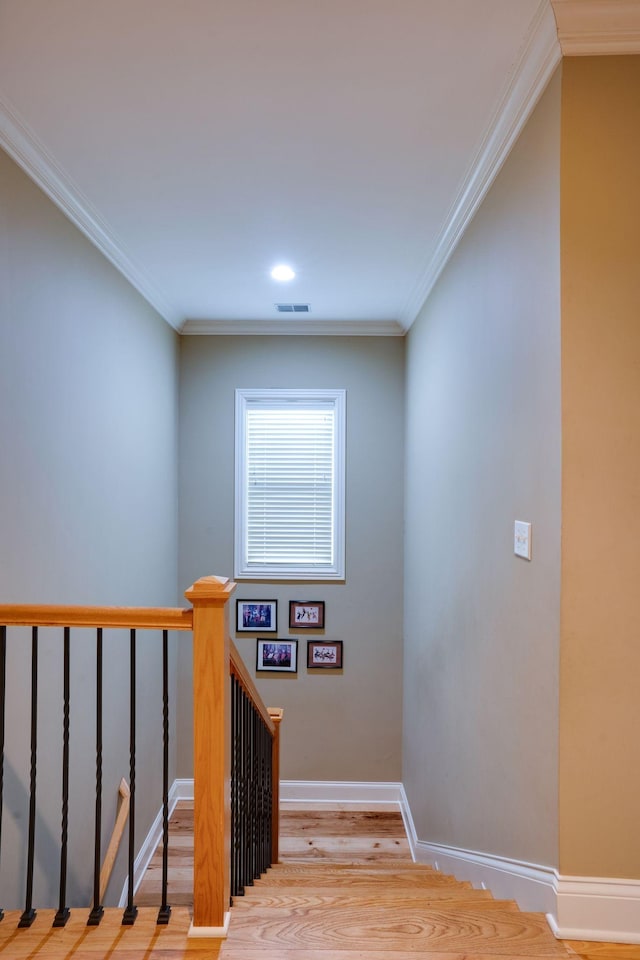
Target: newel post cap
210	590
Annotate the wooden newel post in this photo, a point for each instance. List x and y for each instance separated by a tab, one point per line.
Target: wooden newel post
276	714
211	756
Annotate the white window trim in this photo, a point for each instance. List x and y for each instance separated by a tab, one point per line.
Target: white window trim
245	571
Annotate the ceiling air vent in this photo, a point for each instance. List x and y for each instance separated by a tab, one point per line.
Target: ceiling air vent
293	308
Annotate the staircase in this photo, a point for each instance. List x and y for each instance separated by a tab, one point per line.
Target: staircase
335	911
346	889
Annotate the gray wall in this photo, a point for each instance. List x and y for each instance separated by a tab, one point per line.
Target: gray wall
483	449
88	514
343	725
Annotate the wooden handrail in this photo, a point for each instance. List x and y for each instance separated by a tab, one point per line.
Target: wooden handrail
52	615
240	672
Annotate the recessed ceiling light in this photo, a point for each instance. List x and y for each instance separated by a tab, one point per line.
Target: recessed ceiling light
282	272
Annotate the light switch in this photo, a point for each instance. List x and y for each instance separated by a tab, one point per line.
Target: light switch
522	539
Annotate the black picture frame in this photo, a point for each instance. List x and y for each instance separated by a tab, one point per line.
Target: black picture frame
276	655
256	616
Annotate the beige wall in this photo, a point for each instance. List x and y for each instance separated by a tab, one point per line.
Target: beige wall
482	450
337	726
88	494
600	667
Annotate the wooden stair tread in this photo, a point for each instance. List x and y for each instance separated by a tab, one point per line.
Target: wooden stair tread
268	952
381	867
343	835
279	906
327	877
362	894
343	849
343	824
603	951
503	932
355	882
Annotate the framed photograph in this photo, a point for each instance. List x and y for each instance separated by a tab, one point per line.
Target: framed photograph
306	615
277	655
256	616
324	655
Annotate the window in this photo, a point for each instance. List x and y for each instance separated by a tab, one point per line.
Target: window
290	484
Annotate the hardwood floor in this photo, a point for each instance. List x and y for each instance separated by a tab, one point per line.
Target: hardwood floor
345	889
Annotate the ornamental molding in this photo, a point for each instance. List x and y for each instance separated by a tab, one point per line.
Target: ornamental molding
539	56
597	27
292	328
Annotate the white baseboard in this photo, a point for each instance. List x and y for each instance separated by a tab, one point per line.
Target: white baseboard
409	825
180	790
339	791
319	791
531	885
596	908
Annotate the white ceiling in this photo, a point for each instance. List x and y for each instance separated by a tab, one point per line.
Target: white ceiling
199	142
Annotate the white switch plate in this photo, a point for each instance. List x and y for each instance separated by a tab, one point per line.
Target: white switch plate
522	539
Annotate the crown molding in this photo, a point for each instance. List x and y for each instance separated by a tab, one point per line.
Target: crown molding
539	57
293	328
19	141
598	27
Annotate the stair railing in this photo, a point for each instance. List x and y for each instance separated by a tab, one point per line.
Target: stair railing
255	732
217	670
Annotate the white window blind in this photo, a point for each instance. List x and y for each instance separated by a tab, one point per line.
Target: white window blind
290	484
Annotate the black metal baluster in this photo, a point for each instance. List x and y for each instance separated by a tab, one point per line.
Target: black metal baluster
165	910
258	727
256	767
131	911
240	795
98	910
238	792
265	812
3	688
63	914
234	773
244	840
235	786
258	855
253	798
240	834
269	800
247	813
240	883
29	914
263	790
